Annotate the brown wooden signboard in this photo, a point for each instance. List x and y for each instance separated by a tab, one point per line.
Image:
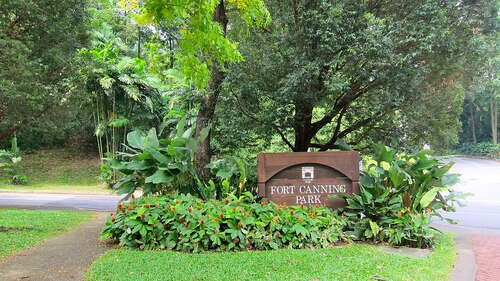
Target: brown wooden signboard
308	177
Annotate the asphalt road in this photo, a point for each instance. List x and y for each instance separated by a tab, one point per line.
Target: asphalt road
59	201
481	178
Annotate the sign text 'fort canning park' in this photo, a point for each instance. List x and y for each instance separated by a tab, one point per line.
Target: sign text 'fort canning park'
308	177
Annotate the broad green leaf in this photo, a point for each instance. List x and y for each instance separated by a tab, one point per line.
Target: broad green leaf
160	176
152	139
136	139
396	176
374	227
428	197
158	155
138	165
204	133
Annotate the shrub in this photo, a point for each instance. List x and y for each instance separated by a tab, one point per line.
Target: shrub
187	223
9	159
483	149
399	194
155	164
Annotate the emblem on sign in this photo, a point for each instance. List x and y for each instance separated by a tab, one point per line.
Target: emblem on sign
307	174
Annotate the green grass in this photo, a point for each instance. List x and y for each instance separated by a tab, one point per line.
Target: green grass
30	227
350	262
57	170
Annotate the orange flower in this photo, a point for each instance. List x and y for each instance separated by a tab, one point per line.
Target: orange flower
299	220
156	205
269	239
240	225
143	215
221	215
428	210
216	219
400	214
226	200
198	208
147	206
202	222
235	241
181	218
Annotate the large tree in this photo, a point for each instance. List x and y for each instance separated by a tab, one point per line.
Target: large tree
38	41
204	50
325	72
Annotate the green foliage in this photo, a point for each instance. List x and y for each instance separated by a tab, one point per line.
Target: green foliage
38	41
201	40
9	161
123	93
159	164
187	223
326	71
233	175
483	149
156	164
399	194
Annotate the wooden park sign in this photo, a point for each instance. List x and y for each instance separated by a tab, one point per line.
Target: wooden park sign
308	177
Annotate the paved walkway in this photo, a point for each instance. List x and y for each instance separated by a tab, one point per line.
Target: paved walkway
478	253
487	251
65	257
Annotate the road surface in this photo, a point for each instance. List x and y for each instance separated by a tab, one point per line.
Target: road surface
59	201
480	177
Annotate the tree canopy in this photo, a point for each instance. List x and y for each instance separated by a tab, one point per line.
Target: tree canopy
325	73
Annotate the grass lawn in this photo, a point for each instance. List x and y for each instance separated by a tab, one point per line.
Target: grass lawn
57	170
350	262
21	229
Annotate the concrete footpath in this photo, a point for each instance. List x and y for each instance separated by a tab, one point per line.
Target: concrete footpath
64	257
478	253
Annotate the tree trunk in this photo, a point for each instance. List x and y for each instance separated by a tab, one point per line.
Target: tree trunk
302	125
494	119
472	124
207	110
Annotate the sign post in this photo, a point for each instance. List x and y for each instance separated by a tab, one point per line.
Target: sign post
308	177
